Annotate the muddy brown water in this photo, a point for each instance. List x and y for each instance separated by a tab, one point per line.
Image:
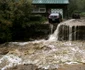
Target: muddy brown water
49	54
64	67
44	54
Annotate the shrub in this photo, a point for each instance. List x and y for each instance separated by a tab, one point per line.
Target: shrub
82	14
5	32
37	19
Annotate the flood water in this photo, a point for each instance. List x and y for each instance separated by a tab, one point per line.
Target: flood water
70	30
44	54
47	54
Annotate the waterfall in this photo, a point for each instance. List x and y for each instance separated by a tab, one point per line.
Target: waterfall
75	33
51	27
45	54
70	30
54	36
70	33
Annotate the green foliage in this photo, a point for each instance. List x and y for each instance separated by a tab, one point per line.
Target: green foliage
82	14
13	16
76	5
37	19
5	33
16	19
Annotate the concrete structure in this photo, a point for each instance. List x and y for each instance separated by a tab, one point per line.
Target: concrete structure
45	7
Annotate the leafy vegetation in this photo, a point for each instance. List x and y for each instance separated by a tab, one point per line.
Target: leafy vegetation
76	6
13	16
16	17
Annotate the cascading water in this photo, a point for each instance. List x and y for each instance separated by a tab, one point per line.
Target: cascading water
49	54
51	27
69	30
70	33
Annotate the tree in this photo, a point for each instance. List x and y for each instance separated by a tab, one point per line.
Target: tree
13	16
76	6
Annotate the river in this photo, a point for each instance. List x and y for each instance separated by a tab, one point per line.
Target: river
46	54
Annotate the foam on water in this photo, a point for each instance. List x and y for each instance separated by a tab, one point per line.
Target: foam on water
11	60
69	30
47	54
51	55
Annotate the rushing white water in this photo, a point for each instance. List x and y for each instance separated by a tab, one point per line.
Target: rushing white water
9	61
69	30
54	36
51	27
47	54
44	54
70	33
75	33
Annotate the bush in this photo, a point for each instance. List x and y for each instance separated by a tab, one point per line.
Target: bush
38	18
35	17
16	20
82	14
5	31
